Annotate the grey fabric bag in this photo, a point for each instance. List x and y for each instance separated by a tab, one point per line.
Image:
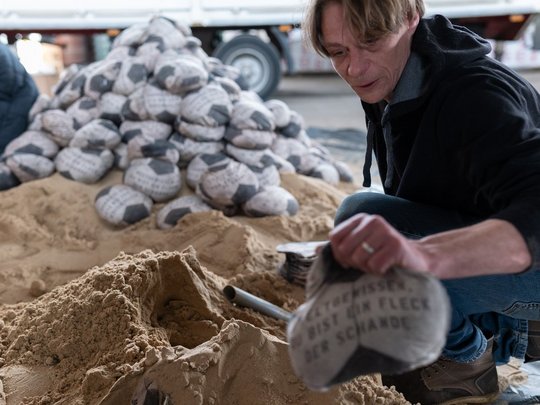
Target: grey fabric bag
355	323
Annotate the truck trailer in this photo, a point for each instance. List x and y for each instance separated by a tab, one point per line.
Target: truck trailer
249	34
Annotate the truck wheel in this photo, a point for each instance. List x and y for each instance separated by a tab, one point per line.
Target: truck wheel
536	36
258	61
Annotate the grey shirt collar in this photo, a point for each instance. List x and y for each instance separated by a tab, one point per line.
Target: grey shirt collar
411	81
408	87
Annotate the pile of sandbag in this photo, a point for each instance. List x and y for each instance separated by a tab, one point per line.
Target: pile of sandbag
156	105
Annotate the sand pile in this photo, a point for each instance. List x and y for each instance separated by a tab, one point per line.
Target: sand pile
94	314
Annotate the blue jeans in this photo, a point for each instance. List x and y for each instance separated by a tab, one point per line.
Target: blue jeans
497	306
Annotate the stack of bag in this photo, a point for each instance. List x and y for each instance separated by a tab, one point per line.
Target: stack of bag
157	105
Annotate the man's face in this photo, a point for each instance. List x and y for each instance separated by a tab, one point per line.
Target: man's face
371	69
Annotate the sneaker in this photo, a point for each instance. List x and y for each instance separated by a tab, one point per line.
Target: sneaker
533	345
447	382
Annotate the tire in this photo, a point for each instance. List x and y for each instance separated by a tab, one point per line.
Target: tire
536	36
258	61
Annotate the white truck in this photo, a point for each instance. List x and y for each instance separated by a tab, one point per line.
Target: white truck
249	34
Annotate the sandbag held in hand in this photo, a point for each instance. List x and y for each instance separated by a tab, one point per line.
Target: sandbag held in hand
355	323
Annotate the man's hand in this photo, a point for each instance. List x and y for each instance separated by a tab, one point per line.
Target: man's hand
369	243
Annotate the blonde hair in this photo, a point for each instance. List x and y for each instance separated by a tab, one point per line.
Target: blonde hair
369	19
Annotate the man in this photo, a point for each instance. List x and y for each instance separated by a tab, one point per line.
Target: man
457	141
17	95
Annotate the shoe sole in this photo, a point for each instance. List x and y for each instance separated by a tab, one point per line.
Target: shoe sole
484	399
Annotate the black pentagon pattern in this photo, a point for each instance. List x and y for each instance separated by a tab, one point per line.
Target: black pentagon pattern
262	121
256	213
217	168
219	113
219	71
78	83
97	143
317	174
30	170
108	125
157	39
128	113
205	193
91	151
177	138
30	148
174	215
291	130
267	160
67	175
190	81
344	175
242	82
228	88
129	135
294	160
87	104
137	73
212	158
166	116
257	169
61	86
366	361
157	148
103	192
161	166
164	73
8	180
153	82
116	118
243	193
232	132
76	124
117	159
292	206
134	213
100	83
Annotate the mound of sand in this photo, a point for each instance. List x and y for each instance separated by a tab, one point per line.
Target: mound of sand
94	314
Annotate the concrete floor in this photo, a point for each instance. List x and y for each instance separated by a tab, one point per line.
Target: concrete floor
326	101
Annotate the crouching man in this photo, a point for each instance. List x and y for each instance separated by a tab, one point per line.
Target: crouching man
456	137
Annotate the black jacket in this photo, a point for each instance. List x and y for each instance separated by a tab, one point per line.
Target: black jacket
17	95
471	141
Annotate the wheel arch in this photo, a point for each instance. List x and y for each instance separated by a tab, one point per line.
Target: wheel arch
257	59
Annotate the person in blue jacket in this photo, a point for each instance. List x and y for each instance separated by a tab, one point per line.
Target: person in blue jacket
17	95
456	137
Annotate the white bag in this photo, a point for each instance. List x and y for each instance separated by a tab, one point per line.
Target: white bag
356	323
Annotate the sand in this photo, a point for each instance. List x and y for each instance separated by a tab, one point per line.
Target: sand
93	314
